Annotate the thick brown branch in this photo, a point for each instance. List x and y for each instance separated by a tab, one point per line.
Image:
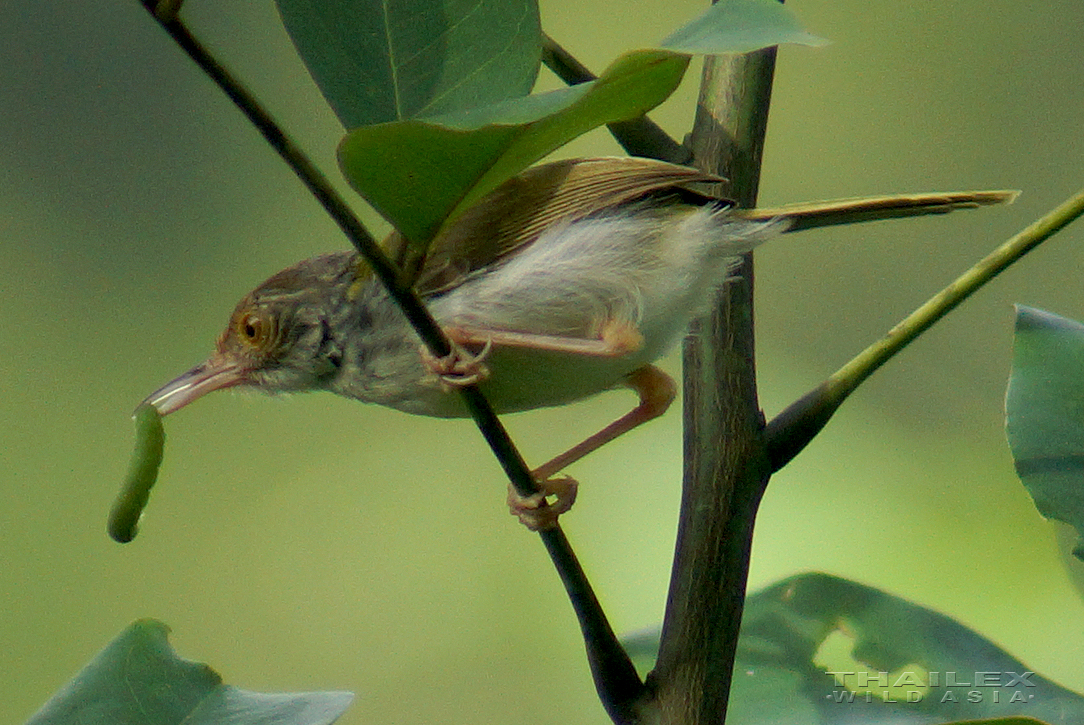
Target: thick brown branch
726	465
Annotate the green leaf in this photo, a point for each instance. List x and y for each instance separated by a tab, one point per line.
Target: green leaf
740	26
420	173
139	680
378	61
819	650
1044	414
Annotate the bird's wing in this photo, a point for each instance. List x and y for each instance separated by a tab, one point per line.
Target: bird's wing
515	214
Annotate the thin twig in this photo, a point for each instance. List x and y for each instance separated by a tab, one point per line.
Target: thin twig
166	10
314	180
790	431
638	136
619	685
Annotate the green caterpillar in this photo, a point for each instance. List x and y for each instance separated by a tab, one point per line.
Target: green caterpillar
142	473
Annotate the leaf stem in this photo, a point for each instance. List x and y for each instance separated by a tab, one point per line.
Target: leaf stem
790	431
638	136
619	685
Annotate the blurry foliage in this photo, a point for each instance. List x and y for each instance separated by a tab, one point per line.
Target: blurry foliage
780	625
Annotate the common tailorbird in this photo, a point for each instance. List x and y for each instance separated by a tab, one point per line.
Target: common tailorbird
565	281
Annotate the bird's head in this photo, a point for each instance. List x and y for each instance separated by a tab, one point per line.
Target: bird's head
280	337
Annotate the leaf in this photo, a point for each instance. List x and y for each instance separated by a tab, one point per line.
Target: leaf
139	680
740	26
386	61
1044	414
420	173
815	649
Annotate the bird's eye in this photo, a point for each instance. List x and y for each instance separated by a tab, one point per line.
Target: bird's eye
255	329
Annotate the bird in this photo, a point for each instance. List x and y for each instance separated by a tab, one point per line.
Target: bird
567	280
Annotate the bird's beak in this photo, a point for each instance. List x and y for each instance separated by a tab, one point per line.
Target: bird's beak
214	374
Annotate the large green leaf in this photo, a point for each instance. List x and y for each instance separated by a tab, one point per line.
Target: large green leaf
419	173
139	680
1044	413
740	26
379	60
820	650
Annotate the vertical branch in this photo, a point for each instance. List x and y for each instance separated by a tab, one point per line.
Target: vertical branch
726	466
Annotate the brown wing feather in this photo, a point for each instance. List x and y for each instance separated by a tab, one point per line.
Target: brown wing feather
850	211
514	214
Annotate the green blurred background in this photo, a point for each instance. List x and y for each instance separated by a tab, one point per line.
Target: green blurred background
313	543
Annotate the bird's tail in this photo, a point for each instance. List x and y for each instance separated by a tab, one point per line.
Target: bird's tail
851	211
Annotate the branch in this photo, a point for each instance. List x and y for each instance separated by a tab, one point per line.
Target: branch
793	429
638	136
619	685
724	483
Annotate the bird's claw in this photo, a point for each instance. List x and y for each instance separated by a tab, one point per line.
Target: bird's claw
536	511
459	368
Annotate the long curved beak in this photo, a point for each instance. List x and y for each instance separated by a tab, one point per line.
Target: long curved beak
214	374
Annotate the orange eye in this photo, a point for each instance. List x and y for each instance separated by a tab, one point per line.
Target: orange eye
255	329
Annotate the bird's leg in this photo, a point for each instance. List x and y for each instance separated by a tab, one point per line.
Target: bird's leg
537	512
617	339
656	390
459	368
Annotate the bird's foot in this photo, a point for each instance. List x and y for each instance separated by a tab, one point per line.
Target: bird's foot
459	368
536	511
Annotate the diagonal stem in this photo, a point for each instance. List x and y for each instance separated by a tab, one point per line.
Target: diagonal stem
790	431
615	677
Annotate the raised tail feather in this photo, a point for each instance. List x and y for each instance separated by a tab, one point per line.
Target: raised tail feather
849	211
